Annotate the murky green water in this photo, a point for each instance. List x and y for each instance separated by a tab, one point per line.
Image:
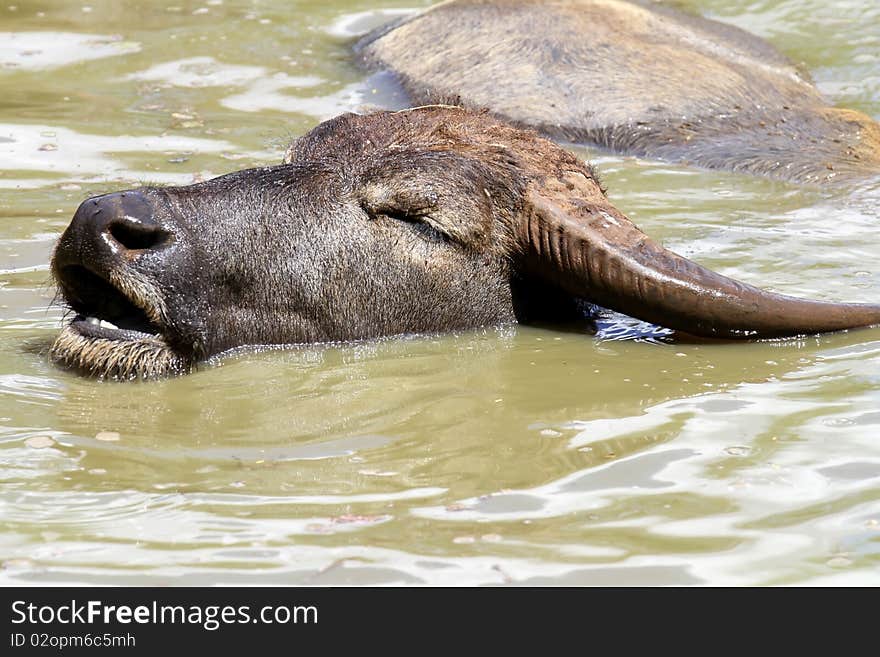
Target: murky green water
517	455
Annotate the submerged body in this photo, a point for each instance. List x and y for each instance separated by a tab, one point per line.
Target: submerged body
425	220
635	77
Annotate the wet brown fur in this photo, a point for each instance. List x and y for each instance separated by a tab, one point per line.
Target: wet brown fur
634	77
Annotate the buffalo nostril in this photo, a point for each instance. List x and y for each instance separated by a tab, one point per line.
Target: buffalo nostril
118	225
126	221
135	235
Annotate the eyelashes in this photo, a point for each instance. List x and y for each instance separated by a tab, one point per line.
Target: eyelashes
417	222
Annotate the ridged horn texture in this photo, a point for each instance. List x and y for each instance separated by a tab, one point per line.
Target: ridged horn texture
595	252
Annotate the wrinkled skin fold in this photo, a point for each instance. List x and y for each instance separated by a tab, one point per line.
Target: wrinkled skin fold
425	220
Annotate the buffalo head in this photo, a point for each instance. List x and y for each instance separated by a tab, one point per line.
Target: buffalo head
424	220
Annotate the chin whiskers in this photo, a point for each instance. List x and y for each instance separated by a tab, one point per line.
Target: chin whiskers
115	359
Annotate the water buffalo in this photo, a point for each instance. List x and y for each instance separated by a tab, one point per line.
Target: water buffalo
634	77
423	220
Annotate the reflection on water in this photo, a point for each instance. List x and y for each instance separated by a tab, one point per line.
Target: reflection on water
35	51
86	157
518	455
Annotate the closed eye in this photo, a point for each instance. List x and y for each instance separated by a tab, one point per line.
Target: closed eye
417	223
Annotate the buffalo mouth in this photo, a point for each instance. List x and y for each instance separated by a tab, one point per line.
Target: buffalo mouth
117	330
